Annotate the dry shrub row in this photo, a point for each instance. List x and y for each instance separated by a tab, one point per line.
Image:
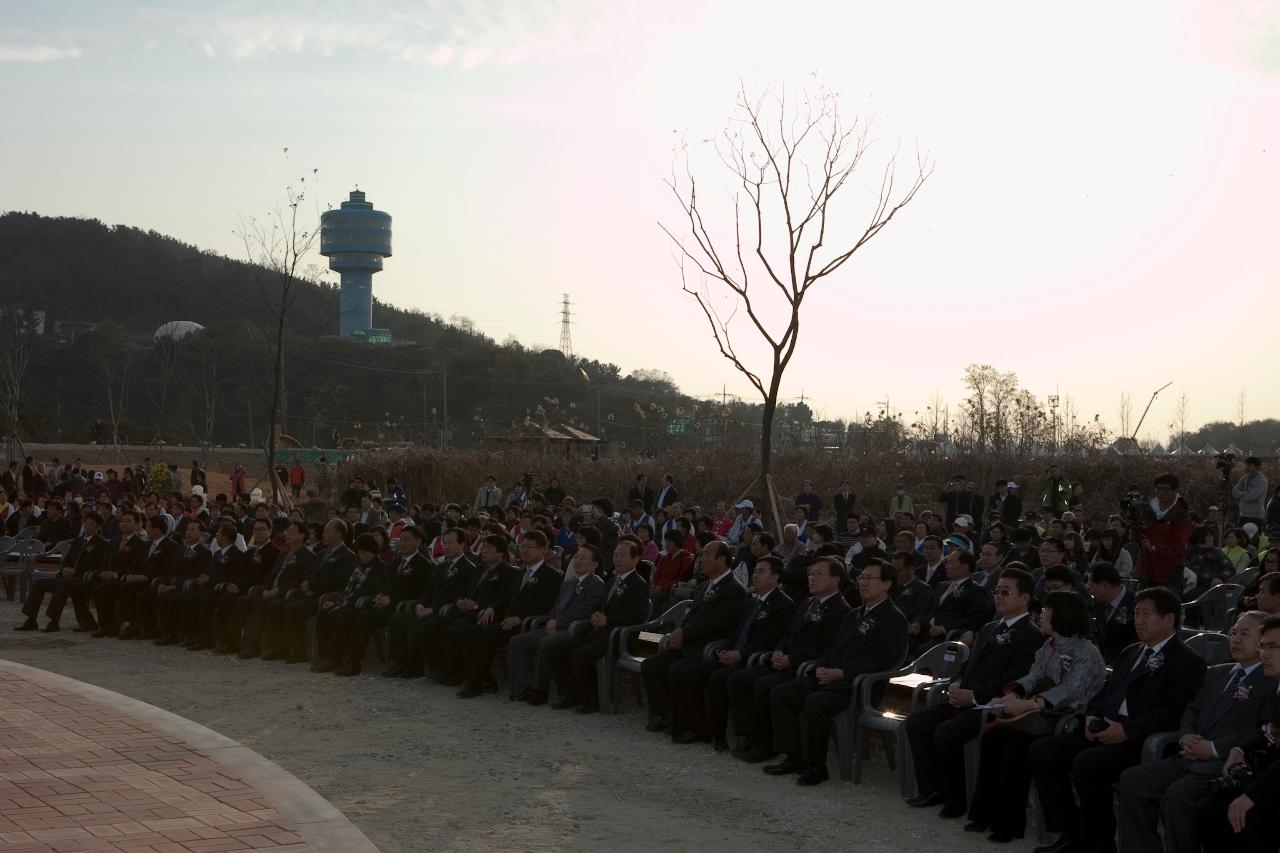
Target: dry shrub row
722	474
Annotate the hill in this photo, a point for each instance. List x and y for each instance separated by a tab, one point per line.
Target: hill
215	385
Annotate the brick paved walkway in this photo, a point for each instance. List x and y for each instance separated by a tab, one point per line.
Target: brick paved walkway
83	769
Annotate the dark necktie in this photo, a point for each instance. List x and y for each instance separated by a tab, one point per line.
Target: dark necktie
747	622
1121	690
1224	699
814	604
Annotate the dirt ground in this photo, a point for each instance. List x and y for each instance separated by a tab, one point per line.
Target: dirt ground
418	769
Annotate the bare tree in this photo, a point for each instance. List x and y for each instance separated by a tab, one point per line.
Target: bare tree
1126	413
115	365
19	324
1180	412
788	160
277	248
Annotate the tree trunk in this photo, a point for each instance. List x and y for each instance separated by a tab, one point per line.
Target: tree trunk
276	382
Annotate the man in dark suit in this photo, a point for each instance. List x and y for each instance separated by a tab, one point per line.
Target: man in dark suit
1002	653
1223	716
529	653
872	638
1147	692
195	605
626	602
844	504
250	571
123	568
959	500
1242	815
338	611
293	565
408	579
642	492
135	599
484	604
700	693
912	596
414	632
190	562
934	570
714	614
330	573
962	604
533	594
1112	611
55	527
667	494
813	630
88	556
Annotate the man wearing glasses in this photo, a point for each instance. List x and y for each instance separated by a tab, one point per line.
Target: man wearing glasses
1164	537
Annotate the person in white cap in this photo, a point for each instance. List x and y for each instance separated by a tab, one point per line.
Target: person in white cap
746	509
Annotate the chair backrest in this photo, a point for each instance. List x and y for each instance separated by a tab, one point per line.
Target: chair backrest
943	660
674	615
6	542
1213	647
1215	606
59	550
28	532
28	548
1244	577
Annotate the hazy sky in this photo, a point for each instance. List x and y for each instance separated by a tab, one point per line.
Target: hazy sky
1103	214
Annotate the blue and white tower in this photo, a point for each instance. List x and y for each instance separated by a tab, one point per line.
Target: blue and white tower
355	238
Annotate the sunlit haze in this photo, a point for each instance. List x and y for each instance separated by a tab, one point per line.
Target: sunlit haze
1102	215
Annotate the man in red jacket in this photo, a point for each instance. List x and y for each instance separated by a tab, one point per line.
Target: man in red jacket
1164	537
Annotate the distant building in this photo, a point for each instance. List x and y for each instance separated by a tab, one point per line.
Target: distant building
355	238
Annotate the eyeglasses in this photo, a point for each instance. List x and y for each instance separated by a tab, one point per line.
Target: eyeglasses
1003	593
1265	647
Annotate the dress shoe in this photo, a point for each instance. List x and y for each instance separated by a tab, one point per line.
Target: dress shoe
470	691
451	681
536	697
565	704
814	774
129	633
688	737
347	671
756	755
441	677
720	745
249	654
658	724
197	646
925	801
522	695
29	625
788	765
951	810
87	628
999	837
1065	844
587	708
489	686
976	826
393	672
50	628
272	656
296	659
324	666
106	631
164	641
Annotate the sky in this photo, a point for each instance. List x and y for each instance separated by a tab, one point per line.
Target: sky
1100	218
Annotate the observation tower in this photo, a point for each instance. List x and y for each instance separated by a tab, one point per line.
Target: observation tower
355	238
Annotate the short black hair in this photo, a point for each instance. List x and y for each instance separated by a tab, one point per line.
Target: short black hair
537	537
1025	581
765	538
1253	460
886	570
1104	572
1170	480
1061	574
966	559
93	516
1165	601
774	562
835	567
1070	617
365	542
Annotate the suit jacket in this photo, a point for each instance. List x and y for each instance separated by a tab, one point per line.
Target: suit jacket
410	578
370	581
626	603
967	611
994	663
767	625
869	640
814	632
939	574
1113	631
450	582
52	532
915	600
1156	696
258	562
125	560
155	557
1230	726
291	569
844	503
493	588
189	562
224	565
587	593
536	596
713	615
661	501
1263	754
88	554
331	570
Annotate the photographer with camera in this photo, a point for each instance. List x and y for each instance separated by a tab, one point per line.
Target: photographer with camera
1251	492
1163	532
1241	813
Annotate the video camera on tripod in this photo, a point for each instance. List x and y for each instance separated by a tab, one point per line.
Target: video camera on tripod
1225	462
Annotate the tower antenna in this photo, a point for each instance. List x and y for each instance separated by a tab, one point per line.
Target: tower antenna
566	343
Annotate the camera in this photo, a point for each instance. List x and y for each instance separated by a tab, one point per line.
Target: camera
1134	505
1234	782
1225	462
1097	724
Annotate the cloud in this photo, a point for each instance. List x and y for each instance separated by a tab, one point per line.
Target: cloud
37	53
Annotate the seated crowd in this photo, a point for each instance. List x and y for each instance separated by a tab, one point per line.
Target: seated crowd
1074	653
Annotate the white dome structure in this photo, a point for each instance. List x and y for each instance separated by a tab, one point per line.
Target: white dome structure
176	330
